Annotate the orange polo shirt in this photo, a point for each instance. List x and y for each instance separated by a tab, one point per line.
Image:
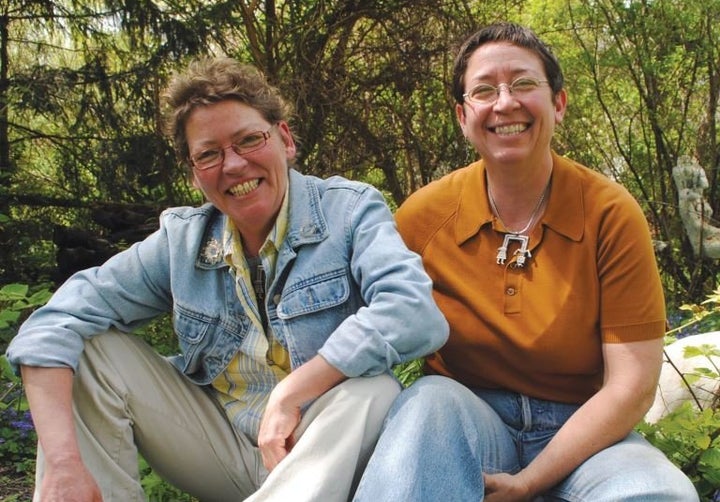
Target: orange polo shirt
536	330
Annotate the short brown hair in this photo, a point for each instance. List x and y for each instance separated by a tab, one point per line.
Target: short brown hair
211	80
510	33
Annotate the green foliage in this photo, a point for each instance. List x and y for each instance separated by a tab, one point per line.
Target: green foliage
17	300
690	435
698	318
160	335
17	434
691	440
157	489
409	372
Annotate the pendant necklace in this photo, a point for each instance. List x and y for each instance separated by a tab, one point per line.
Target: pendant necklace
522	253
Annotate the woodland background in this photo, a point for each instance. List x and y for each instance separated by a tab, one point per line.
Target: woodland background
84	171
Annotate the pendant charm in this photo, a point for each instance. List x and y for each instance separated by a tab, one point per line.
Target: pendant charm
522	252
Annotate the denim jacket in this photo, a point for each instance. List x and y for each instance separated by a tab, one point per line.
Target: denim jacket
346	287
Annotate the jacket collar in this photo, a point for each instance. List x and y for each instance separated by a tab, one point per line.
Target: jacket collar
307	223
564	213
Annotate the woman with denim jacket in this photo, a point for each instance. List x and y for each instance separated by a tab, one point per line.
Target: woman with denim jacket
291	297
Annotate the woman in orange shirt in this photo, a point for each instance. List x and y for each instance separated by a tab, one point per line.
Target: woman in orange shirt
546	274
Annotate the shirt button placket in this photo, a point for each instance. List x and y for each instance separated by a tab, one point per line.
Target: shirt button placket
513	301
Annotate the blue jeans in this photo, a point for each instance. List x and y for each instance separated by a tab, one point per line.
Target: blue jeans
439	436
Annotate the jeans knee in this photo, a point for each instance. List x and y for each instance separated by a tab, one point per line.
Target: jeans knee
433	398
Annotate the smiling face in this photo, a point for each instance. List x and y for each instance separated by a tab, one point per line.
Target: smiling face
249	189
515	129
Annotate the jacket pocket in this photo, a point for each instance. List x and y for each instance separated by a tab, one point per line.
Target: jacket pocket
314	294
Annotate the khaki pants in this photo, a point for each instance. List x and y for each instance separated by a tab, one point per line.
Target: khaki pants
129	399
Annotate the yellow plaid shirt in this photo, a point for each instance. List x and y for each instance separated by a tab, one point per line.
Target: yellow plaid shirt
243	388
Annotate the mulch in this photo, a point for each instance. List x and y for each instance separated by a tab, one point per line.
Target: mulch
14	486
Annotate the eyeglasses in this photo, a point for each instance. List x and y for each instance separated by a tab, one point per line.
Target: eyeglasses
207	159
485	94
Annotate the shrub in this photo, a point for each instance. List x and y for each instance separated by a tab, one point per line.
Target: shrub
690	435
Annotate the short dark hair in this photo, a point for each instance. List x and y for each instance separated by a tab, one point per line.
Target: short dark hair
211	80
513	34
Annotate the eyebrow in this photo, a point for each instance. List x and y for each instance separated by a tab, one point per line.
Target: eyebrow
244	131
514	74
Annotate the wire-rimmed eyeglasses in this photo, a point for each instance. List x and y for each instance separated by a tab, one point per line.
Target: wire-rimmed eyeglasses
485	94
213	157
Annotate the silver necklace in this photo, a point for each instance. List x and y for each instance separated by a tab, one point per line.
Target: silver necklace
522	253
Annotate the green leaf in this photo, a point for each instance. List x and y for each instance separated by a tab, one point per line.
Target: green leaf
703	442
6	370
704	349
39	298
705	372
13	292
711	458
9	316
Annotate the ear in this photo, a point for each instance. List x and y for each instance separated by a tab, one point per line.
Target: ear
560	105
460	114
288	140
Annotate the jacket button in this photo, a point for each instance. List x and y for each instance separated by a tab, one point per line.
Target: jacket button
276	299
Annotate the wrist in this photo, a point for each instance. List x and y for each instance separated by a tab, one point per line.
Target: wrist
63	458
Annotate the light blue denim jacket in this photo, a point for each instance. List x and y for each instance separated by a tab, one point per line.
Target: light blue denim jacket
345	287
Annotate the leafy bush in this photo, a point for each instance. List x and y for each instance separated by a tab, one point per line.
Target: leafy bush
691	440
16	302
690	435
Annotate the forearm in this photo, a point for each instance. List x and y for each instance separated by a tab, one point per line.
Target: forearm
49	393
605	419
307	382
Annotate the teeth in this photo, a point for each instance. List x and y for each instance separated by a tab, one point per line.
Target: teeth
244	188
510	129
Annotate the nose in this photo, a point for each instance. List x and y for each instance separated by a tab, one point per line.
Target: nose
505	98
232	160
502	86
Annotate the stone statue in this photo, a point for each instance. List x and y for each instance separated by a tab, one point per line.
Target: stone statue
695	211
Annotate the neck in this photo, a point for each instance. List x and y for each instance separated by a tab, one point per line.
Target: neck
519	206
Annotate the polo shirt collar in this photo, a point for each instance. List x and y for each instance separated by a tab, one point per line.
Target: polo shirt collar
564	213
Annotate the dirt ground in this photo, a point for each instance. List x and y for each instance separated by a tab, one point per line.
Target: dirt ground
14	487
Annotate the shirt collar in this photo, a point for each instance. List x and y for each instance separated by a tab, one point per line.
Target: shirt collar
565	208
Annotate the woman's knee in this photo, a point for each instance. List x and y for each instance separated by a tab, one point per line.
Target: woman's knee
437	404
377	392
436	394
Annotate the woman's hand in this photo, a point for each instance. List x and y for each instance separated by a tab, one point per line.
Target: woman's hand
69	482
275	438
283	411
505	488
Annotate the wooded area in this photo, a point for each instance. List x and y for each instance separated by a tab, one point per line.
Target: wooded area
84	170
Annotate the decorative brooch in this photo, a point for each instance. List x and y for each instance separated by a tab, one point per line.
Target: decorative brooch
213	252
